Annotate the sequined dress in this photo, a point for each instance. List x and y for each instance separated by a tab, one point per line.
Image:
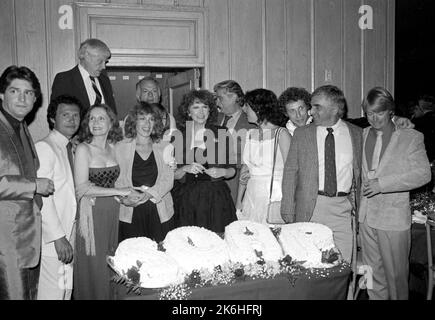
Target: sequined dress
91	273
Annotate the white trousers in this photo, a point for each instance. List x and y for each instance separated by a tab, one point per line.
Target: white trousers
55	279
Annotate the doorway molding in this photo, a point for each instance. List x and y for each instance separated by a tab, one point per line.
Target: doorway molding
147	35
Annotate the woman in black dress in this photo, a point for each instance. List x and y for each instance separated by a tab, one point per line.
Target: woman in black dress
144	167
202	198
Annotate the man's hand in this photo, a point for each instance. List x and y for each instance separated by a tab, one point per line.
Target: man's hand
403	123
371	188
64	250
44	186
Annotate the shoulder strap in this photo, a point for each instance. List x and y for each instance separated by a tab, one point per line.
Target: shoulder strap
275	149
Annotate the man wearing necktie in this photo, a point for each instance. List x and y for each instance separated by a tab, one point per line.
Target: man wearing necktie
20	189
230	100
394	162
322	172
87	81
59	210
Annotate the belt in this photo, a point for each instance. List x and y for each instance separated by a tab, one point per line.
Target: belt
338	194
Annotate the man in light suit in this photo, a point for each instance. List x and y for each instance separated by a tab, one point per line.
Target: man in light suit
87	81
230	101
394	162
59	210
321	182
20	189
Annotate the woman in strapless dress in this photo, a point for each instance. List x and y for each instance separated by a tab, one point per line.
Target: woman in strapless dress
95	173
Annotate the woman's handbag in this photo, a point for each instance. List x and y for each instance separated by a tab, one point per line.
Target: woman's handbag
274	207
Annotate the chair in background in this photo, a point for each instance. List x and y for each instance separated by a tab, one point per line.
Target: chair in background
431	271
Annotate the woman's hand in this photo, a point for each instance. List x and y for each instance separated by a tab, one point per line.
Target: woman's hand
194	168
124	192
216	172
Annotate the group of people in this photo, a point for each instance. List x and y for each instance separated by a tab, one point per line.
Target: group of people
68	200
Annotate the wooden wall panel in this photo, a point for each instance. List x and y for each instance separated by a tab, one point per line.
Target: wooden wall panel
31	52
246	43
61	50
275	45
352	57
8	54
328	43
298	34
220	45
375	47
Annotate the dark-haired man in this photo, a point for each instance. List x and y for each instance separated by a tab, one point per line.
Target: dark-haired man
59	210
20	189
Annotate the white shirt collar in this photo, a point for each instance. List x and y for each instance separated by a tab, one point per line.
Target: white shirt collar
85	74
59	137
291	126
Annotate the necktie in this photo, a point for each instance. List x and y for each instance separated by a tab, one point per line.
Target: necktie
70	156
226	119
377	150
98	97
330	169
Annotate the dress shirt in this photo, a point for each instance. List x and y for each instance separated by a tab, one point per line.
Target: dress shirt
370	142
343	155
88	85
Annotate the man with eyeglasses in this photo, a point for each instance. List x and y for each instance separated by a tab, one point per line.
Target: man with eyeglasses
20	189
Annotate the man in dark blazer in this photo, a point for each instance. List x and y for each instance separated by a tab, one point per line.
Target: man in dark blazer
87	81
20	189
306	175
230	100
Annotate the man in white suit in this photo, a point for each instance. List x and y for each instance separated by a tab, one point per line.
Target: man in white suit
394	162
59	209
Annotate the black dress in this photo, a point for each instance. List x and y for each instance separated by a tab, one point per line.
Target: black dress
145	221
204	201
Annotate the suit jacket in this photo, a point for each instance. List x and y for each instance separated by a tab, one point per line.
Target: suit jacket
125	151
58	210
71	82
20	218
404	166
240	130
301	173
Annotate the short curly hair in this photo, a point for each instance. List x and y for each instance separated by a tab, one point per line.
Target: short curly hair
203	96
265	105
115	133
56	102
294	94
143	108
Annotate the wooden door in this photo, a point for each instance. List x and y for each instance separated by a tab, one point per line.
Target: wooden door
178	86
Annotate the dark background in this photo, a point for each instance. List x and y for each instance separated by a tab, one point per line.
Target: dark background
415	51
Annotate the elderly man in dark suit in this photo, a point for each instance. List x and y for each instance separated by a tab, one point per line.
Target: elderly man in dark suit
322	172
87	81
230	100
20	189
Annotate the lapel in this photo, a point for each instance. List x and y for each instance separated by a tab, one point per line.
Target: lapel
242	122
32	147
17	144
364	158
312	151
389	151
80	87
63	157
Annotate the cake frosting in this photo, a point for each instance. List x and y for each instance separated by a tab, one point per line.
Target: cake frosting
305	241
250	241
156	269
196	248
